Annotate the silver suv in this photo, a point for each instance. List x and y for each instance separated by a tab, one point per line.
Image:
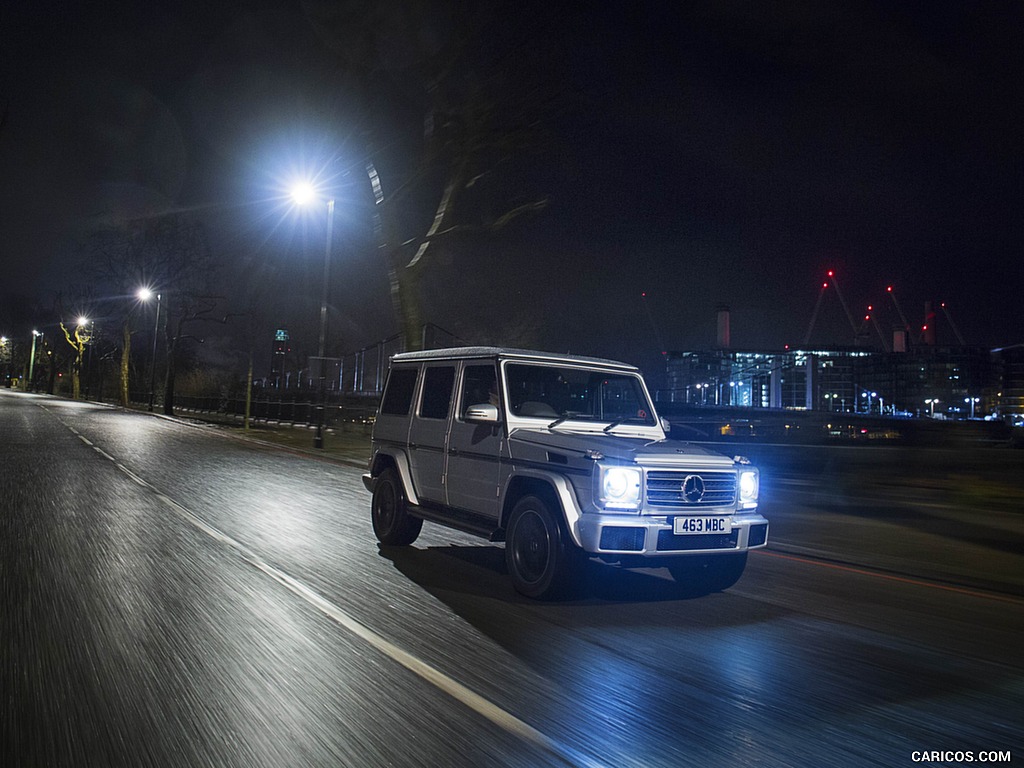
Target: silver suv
563	458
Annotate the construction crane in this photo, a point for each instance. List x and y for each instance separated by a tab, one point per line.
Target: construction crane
870	318
814	314
654	326
952	325
899	309
849	316
817	307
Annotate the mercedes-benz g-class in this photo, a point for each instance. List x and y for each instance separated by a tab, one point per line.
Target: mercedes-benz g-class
561	457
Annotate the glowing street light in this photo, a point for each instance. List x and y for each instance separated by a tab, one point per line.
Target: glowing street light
145	294
869	396
932	401
32	359
972	401
304	193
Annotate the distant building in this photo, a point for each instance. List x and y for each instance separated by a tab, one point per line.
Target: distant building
1008	392
922	380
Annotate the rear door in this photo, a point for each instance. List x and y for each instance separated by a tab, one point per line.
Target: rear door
429	431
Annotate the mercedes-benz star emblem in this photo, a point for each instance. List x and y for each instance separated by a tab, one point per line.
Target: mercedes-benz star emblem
693	488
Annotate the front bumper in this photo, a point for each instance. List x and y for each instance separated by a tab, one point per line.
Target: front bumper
651	536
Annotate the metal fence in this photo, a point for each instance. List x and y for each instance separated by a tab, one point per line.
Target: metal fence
345	416
363	371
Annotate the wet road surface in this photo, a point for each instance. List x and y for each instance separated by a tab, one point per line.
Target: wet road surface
175	596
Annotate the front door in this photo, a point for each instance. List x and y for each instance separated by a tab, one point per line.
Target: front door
475	451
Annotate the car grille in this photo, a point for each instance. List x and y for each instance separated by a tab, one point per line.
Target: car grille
665	489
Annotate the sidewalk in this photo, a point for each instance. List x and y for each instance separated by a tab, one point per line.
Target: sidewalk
349	446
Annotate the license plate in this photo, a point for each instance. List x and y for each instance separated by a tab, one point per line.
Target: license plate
684	525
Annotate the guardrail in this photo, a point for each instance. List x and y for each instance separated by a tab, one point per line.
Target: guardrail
346	417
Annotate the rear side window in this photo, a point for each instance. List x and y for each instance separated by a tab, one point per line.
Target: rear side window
398	393
437	392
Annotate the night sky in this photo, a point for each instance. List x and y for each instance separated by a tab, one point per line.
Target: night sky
701	153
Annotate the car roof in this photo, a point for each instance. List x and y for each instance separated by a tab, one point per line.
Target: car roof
506	353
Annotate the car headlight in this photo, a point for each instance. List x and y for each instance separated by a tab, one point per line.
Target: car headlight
749	484
619	487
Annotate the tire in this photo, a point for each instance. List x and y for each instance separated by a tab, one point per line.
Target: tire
708	573
540	558
392	523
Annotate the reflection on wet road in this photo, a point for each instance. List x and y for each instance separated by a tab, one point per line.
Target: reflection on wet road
176	596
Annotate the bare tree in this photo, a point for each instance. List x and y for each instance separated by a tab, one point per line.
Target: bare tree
167	254
77	338
454	98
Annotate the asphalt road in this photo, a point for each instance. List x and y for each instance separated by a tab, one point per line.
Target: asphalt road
173	595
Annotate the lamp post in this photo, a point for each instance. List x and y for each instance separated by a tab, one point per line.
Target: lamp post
931	401
90	333
869	396
145	294
32	360
304	194
3	358
81	338
972	401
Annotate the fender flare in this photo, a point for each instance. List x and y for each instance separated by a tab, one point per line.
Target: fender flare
401	461
564	494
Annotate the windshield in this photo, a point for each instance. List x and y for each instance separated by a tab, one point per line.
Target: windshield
558	393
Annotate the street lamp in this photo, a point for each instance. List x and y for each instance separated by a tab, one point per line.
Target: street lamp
972	401
145	294
304	193
870	396
32	360
703	393
931	401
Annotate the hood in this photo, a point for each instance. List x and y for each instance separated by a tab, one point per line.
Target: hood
626	449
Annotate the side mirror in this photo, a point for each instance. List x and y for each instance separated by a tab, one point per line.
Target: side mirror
665	426
485	413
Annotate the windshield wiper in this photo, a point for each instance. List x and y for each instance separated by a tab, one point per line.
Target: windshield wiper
569	415
623	420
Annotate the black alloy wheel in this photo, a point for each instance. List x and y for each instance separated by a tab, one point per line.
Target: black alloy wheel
392	523
539	557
